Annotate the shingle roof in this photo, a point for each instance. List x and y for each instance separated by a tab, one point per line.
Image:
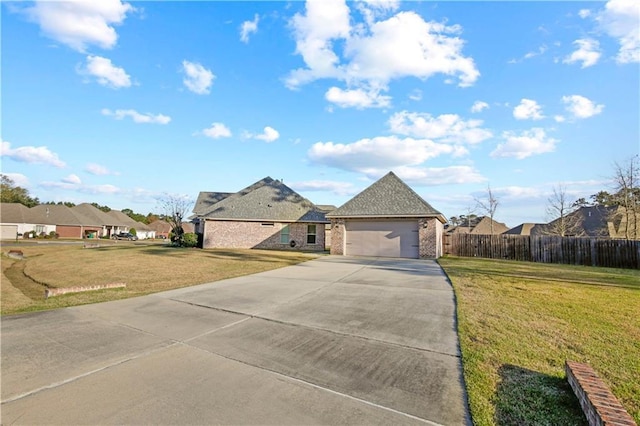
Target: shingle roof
59	214
16	213
527	229
388	197
207	199
96	215
125	220
266	200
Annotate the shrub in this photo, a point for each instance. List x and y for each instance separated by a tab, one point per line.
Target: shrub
133	231
190	240
53	234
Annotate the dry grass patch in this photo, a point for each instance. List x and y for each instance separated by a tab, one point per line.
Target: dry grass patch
144	268
518	322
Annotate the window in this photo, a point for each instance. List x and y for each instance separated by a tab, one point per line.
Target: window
284	235
311	234
269	224
39	229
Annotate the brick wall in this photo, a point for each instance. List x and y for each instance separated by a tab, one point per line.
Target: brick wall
260	235
430	238
337	236
599	405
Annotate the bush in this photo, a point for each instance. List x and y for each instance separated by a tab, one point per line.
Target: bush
133	231
190	240
54	234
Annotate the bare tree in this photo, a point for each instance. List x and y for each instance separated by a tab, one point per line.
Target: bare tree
175	208
626	180
559	213
488	205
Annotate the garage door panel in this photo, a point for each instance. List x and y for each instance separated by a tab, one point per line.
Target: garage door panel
382	238
8	232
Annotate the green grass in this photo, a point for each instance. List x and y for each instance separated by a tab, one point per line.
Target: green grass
144	268
519	322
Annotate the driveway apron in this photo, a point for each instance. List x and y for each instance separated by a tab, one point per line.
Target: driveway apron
336	340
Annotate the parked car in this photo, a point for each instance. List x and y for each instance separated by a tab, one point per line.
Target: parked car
125	236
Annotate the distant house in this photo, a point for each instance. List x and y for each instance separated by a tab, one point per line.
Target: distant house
527	229
267	214
18	220
162	228
387	219
69	223
143	231
598	221
480	225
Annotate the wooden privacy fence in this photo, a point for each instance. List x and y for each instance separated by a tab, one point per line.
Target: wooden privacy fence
547	249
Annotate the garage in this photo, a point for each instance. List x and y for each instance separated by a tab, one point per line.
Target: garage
387	219
9	232
382	238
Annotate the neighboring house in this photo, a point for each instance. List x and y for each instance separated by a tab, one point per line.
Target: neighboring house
527	229
110	225
598	221
17	219
143	231
480	225
387	219
162	228
69	223
267	214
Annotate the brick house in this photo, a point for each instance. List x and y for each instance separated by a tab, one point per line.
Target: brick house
387	219
265	215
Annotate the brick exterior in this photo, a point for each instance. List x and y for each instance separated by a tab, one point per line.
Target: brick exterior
599	405
238	234
430	232
337	236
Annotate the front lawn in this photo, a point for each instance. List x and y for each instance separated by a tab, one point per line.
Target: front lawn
144	268
518	322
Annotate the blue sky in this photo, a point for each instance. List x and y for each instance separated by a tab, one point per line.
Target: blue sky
121	102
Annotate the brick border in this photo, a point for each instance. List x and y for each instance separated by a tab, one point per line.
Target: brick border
51	292
599	405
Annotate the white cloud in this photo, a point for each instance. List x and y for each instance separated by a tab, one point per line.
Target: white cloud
588	53
269	134
375	52
105	72
357	98
197	78
72	179
620	19
559	118
541	50
80	23
31	154
523	145
382	152
445	128
18	178
584	13
137	117
415	95
478	106
249	27
528	110
217	130
430	176
581	107
98	170
338	188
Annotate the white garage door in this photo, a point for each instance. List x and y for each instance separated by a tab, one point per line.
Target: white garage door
9	232
382	238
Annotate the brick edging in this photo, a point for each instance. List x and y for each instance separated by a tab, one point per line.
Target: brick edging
50	292
599	405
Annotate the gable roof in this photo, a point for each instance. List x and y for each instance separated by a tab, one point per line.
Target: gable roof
265	200
207	199
387	197
484	226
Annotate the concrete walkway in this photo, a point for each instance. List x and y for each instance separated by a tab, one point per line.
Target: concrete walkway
336	340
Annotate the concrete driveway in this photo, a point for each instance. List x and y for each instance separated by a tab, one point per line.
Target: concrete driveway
336	340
